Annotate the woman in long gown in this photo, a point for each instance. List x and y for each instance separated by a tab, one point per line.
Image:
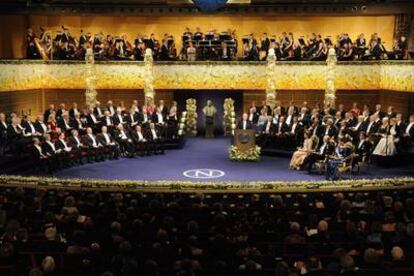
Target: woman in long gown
342	152
386	145
299	156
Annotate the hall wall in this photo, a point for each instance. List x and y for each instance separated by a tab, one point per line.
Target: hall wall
13	27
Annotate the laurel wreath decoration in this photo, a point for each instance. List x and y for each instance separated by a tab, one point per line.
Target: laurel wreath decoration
191	117
229	117
252	154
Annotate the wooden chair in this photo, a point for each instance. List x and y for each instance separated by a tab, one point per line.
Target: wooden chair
347	164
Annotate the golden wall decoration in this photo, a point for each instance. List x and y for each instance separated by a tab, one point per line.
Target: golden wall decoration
369	75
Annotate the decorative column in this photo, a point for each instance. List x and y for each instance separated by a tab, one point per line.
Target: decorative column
271	79
149	92
90	92
330	89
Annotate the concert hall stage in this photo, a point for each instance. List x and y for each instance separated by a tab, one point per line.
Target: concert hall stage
207	160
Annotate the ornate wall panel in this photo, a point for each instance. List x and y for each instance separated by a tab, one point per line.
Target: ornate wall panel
397	76
300	75
237	75
26	75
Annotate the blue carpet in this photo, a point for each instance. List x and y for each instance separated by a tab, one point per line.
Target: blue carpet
200	153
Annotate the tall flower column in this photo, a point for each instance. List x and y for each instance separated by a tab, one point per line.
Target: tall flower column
330	90
271	78
90	92
149	92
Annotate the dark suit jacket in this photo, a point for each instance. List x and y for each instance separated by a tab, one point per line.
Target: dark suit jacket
101	139
248	125
62	125
116	120
73	143
283	128
26	126
60	145
3	131
88	140
39	128
47	149
272	128
75	124
364	148
155	118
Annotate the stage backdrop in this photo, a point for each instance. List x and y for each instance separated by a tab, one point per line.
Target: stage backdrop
217	97
13	27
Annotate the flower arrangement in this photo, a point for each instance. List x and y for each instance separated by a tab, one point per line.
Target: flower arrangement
213	187
252	154
181	124
229	117
191	117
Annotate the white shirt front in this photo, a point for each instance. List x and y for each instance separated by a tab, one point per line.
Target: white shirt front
321	150
94	144
244	125
154	134
123	135
93	118
121	120
51	145
293	128
108	121
140	136
288	119
32	129
268	127
369	126
407	130
160	118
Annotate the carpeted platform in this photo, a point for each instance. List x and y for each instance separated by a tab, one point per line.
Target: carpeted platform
201	153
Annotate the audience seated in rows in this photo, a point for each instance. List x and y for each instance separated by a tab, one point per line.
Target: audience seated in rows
60	232
62	138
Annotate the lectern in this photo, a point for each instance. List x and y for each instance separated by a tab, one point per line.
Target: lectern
244	140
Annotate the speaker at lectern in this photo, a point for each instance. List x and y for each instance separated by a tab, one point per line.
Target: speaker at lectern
244	140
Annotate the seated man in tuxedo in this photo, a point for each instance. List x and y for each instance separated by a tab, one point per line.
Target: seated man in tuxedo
155	140
54	154
3	133
326	150
295	135
38	155
124	139
363	148
64	123
80	150
245	123
94	147
159	119
93	121
132	117
267	133
78	123
68	156
111	148
15	136
140	141
280	132
40	126
98	110
118	118
408	133
29	128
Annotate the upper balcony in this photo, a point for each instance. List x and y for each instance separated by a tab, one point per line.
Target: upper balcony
18	75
